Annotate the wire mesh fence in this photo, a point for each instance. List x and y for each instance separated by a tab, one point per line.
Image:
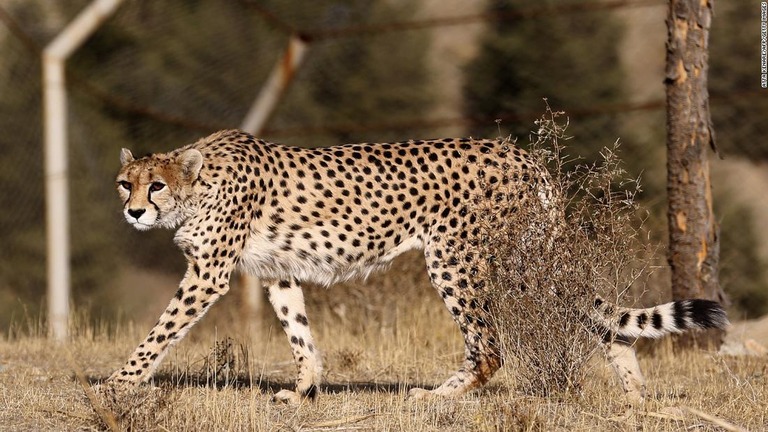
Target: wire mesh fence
158	75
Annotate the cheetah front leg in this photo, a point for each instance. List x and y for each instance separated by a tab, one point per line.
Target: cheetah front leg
198	291
287	299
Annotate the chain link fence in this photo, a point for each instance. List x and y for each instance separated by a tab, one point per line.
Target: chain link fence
158	75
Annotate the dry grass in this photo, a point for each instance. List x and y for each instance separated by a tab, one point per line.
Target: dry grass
371	361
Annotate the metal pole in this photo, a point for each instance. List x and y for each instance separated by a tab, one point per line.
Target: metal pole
56	188
276	84
254	122
57	214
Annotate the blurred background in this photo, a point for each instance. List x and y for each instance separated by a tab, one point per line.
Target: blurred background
158	75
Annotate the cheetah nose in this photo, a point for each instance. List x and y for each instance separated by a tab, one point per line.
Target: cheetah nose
136	213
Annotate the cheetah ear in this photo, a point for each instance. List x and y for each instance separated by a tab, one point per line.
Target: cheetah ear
126	156
191	162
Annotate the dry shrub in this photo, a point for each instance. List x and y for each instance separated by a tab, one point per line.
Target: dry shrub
347	359
137	409
226	364
549	259
220	363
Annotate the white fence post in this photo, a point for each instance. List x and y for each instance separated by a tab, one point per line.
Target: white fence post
56	188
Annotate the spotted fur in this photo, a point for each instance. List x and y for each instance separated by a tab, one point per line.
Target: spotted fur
289	215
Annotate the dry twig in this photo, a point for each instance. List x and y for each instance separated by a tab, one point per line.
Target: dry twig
106	416
714	420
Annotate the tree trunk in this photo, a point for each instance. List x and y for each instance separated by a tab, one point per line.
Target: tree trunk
694	246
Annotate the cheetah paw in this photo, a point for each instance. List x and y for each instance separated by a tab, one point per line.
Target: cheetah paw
113	390
109	388
108	392
419	394
287	397
102	390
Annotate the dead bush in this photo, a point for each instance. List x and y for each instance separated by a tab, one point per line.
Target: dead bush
548	259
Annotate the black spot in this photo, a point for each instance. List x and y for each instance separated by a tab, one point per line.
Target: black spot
284	284
189	300
642	319
191	312
624	319
679	312
598	302
656	320
160	338
302	319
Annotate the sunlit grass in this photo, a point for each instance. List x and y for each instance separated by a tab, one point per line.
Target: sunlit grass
369	367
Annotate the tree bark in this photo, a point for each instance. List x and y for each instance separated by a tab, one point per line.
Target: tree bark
694	246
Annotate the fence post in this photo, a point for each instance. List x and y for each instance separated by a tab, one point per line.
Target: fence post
56	188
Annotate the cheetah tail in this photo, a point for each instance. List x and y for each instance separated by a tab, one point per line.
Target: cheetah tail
657	321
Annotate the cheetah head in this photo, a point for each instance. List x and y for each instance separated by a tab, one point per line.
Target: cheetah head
156	190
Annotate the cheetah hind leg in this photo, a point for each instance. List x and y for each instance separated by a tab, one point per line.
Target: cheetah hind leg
287	299
621	355
481	351
482	360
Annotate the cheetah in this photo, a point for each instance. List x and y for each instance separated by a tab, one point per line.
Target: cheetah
290	215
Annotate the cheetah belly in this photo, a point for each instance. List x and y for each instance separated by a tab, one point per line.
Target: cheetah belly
267	259
408	244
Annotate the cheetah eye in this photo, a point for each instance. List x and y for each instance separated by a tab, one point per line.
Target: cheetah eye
156	186
125	185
